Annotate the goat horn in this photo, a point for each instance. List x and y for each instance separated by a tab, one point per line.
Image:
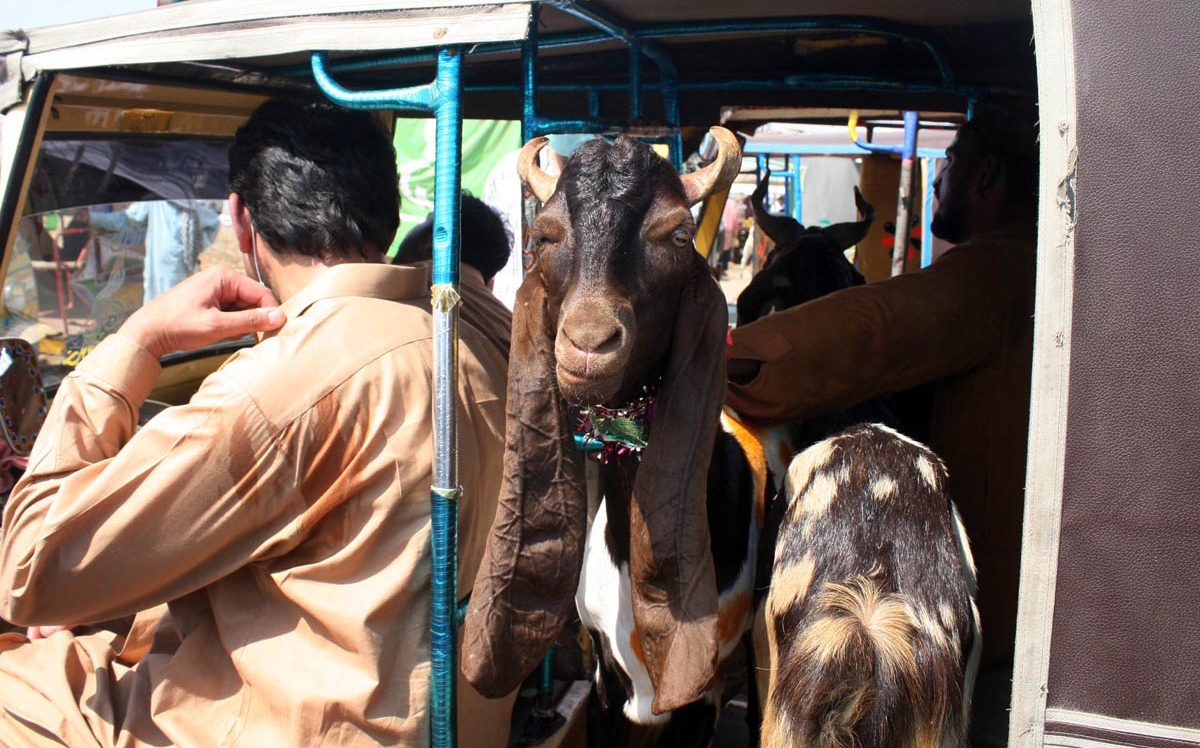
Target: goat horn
539	183
783	230
846	235
720	173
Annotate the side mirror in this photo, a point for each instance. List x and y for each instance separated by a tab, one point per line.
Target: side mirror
22	397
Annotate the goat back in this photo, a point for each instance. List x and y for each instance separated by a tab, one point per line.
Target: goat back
870	619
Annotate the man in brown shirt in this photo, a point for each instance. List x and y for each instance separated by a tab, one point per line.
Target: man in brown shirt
283	513
964	324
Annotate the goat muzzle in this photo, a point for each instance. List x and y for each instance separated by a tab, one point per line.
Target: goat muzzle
591	350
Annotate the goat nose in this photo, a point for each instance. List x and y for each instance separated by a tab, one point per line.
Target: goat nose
594	338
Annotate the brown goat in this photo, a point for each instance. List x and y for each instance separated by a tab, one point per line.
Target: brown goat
618	304
872	629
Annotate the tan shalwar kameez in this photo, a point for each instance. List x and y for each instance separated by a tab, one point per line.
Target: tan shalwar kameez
283	513
964	323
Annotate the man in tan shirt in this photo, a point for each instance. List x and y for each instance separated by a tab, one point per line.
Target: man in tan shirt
964	325
283	513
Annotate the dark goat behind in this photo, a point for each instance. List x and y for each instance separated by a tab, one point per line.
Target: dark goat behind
806	263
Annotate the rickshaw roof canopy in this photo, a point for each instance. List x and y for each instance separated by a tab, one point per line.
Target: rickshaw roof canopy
262	47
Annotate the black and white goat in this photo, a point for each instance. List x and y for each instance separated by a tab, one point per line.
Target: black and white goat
873	632
738	488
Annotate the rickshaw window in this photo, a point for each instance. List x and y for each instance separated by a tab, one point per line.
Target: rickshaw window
110	223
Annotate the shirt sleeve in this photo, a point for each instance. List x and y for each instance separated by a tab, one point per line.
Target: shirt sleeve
866	341
106	522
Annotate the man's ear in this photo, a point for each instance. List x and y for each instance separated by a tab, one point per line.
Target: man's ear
241	223
988	174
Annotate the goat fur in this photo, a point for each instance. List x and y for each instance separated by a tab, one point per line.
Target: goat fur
872	627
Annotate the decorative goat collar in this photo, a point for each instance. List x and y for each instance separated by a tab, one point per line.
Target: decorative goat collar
623	430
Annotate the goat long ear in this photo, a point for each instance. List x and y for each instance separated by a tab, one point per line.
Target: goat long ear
848	234
525	590
674	583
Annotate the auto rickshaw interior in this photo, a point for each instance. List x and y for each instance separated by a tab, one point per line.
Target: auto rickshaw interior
148	141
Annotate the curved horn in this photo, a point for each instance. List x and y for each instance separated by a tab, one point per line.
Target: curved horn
848	234
539	183
783	230
720	173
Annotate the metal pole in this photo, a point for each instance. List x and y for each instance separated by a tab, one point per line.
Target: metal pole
444	98
789	185
446	491
904	200
529	204
531	124
635	84
529	76
667	73
797	189
927	215
612	28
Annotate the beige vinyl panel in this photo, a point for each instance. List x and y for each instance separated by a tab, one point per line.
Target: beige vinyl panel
1051	370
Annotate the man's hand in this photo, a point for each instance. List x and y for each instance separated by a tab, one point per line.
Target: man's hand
208	307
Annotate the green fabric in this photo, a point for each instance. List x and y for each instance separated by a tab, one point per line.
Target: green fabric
484	142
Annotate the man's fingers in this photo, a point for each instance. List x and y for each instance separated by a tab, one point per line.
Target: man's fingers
236	324
238	291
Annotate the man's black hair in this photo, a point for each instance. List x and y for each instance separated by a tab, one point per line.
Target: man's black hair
317	179
485	244
1012	136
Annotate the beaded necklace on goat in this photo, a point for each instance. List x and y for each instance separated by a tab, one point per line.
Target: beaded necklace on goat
621	431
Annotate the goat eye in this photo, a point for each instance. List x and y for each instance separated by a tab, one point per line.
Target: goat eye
681	238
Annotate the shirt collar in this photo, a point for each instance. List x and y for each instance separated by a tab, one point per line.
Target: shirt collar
373	280
364	279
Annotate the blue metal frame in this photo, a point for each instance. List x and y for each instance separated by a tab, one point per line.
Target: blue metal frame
764	151
834	149
533	125
671	31
638	47
927	217
442	98
905	149
797	203
669	80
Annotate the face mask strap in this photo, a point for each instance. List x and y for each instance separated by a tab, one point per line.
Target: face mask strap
254	252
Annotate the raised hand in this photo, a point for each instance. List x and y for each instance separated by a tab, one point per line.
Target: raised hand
208	307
